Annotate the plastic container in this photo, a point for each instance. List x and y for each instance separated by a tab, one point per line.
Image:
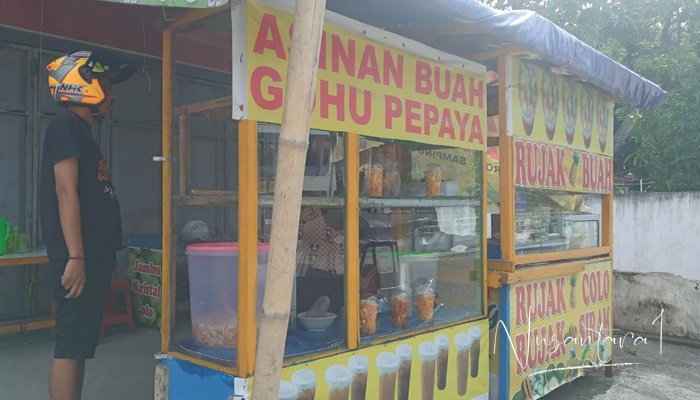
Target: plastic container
4	235
433	179
213	275
317	324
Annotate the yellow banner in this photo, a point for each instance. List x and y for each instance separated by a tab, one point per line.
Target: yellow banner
552	167
366	87
552	109
556	325
446	364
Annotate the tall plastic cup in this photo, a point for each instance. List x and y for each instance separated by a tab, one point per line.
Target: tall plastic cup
428	353
388	365
359	365
463	342
339	379
405	354
443	344
475	333
287	391
305	380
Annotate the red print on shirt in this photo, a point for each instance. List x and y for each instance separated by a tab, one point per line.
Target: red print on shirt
102	172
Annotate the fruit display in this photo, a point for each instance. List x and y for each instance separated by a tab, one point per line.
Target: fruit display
537	385
368	316
215	332
426	304
572	296
602	117
588	108
550	102
527	91
573	172
376	178
399	309
433	180
570	109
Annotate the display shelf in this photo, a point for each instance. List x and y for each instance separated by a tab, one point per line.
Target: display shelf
268	201
34	257
419	202
299	343
206	200
27	324
444	315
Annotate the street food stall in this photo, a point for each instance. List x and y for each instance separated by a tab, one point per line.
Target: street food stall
420	163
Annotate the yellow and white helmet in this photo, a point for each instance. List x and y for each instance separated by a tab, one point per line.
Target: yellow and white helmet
75	77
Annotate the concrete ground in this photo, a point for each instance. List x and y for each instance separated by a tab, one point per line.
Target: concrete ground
666	371
124	367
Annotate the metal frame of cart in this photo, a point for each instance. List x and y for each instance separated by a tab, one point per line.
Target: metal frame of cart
502	276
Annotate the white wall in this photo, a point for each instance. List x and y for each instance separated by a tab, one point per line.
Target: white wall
658	232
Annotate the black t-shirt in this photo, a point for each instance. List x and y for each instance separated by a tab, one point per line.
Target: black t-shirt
68	135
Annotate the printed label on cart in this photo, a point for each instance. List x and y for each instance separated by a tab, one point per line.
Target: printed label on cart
557	325
545	166
144	270
366	87
556	110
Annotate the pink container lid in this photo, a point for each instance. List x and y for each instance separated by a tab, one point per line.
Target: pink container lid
221	247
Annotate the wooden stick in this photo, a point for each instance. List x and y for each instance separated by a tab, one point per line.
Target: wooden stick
293	143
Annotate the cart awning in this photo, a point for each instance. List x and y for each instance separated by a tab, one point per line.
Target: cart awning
560	48
486	29
174	3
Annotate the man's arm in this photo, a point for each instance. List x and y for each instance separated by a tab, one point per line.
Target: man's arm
66	173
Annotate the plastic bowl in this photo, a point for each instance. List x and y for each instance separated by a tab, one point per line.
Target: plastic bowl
317	324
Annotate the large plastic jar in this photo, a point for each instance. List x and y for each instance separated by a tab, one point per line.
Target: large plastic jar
213	270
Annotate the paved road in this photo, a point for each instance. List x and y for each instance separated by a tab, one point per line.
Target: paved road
124	370
668	372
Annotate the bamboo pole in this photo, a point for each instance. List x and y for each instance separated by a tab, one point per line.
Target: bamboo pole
294	140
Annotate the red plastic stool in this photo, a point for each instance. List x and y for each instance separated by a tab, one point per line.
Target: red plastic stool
112	315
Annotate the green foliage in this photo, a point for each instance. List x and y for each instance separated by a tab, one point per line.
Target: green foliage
660	39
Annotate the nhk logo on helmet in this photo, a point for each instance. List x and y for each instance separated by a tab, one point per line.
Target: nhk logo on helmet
70	88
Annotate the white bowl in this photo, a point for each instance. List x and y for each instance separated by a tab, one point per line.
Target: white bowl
317	324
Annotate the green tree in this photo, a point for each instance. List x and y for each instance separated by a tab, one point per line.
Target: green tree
660	39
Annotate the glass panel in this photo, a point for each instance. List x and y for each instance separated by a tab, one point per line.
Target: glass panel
319	287
556	221
205	230
407	169
324	175
420	244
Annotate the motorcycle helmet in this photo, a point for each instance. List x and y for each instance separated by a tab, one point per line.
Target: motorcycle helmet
74	79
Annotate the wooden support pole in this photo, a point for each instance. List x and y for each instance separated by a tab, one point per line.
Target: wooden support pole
293	143
352	240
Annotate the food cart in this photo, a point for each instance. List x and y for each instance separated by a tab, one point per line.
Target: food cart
419	162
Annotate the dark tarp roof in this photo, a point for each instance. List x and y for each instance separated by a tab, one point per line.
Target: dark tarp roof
526	29
487	27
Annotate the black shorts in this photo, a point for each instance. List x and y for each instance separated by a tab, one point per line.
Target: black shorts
78	321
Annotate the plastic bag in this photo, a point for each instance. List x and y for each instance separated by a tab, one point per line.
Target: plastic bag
400	302
425	299
368	316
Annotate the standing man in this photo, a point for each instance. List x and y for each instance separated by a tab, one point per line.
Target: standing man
80	215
